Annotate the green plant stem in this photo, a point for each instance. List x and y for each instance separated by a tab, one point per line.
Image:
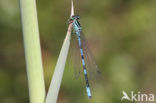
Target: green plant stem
32	51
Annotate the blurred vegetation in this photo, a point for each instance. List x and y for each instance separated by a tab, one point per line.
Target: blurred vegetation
121	34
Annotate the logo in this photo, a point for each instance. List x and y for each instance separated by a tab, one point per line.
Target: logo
140	97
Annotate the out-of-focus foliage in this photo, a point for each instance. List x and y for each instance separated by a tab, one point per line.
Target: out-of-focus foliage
121	34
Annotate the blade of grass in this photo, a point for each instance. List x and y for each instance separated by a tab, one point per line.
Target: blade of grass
32	51
59	69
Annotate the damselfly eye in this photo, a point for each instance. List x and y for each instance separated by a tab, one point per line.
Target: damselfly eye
78	17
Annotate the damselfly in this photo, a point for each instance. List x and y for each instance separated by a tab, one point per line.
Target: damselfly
78	31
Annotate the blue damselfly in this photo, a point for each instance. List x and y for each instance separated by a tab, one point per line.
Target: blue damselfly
83	50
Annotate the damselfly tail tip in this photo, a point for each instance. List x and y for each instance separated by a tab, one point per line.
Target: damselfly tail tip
89	97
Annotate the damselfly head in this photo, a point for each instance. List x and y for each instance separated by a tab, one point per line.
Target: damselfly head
76	17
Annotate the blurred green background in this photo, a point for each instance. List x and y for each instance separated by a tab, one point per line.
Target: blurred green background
122	36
